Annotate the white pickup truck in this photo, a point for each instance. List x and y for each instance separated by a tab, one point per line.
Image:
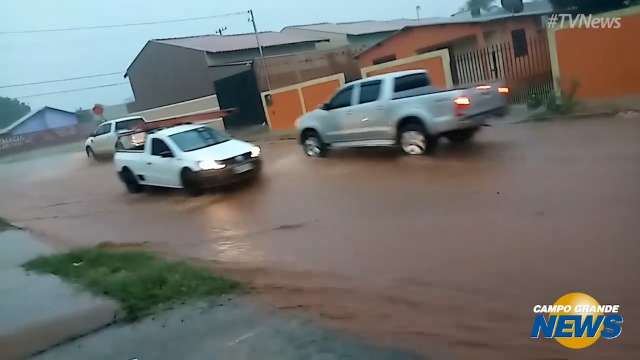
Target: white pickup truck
193	157
400	108
102	141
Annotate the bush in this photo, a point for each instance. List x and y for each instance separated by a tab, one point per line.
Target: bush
566	103
534	101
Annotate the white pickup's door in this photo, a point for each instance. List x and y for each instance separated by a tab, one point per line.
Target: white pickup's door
161	167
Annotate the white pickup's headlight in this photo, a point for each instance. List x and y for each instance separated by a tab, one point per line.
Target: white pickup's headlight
210	165
255	151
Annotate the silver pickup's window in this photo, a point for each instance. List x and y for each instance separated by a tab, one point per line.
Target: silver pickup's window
198	138
410	85
342	99
410	82
370	91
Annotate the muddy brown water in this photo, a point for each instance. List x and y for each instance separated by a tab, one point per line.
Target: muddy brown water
445	255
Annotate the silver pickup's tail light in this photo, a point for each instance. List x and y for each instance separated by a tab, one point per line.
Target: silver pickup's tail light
461	104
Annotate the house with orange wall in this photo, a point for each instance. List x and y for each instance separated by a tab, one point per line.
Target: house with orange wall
459	34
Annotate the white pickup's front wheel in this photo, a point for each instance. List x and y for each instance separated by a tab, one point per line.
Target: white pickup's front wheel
190	183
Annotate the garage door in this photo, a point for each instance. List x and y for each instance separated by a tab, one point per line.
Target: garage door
283	106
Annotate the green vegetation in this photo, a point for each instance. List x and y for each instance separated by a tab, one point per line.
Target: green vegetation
84	115
477	4
4	225
11	110
565	104
143	283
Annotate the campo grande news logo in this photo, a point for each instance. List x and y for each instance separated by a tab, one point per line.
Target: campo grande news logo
577	321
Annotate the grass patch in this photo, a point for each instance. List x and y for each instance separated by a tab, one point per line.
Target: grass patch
143	283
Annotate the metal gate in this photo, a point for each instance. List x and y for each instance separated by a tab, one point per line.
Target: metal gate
240	91
525	67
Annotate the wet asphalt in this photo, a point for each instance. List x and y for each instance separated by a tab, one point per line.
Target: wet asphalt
442	254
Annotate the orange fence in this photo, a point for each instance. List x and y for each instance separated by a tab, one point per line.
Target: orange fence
603	62
436	63
283	106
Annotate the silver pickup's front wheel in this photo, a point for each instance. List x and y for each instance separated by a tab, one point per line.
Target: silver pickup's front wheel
415	141
313	145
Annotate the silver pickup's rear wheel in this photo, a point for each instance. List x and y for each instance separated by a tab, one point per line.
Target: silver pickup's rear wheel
414	140
313	145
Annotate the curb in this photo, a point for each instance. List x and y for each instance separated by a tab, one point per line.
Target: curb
568	116
42	336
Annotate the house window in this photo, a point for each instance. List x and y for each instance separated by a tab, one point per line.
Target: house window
519	39
384	59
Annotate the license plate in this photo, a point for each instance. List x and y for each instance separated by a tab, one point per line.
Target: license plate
242	168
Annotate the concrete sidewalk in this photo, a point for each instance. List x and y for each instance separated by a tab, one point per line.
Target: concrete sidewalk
233	329
43	316
39	311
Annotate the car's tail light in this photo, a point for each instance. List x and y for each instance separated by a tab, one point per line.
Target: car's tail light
483	87
503	90
461	104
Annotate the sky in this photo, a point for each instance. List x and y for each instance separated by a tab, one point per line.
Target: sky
44	56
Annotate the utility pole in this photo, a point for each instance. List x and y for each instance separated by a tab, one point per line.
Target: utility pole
418	8
264	63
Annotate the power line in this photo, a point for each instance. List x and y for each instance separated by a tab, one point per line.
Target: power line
121	25
73	90
59	80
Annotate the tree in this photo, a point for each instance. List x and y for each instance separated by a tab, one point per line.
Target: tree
587	6
478	4
84	115
11	110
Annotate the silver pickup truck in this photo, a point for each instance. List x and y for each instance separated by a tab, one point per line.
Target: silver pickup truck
400	108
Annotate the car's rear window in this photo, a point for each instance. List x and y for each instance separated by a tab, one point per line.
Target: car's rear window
131	142
198	138
128	124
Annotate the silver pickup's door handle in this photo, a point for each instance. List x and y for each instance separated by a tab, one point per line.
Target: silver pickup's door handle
149	163
365	119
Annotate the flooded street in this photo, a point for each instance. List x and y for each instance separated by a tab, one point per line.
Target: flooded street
445	254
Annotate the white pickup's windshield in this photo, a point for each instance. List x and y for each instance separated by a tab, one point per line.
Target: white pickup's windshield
199	138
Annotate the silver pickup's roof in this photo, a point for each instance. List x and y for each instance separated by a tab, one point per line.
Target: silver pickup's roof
393	74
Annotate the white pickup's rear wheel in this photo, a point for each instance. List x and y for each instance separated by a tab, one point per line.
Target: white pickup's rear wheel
130	181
